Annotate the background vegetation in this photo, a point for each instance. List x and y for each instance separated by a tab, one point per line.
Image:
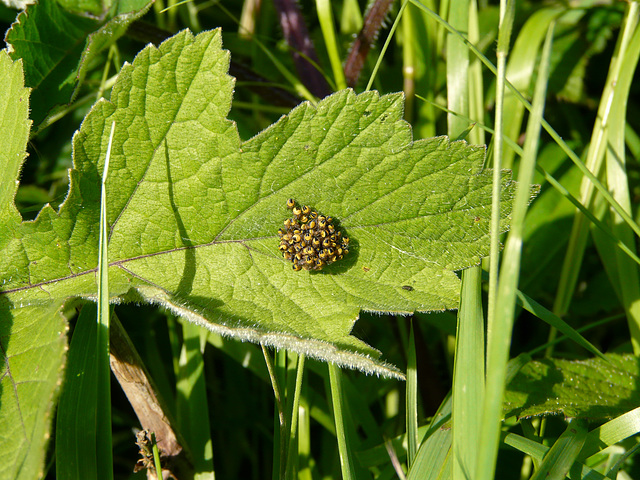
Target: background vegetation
577	61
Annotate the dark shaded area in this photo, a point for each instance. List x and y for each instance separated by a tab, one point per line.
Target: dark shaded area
361	47
303	53
144	32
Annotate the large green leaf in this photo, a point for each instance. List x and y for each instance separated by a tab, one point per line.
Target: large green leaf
592	389
194	213
32	333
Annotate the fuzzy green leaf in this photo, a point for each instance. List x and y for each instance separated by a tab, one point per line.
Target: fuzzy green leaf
32	335
591	389
194	212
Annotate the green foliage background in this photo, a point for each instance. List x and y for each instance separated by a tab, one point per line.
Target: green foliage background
219	390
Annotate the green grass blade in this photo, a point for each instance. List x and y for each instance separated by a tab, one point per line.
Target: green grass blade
433	460
537	452
560	457
156	453
521	69
618	181
468	376
412	399
556	322
476	89
457	69
76	428
83	426
325	17
192	403
502	295
612	432
387	42
344	446
279	430
293	455
468	382
593	163
104	446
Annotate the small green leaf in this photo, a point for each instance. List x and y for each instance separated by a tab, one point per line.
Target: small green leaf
56	46
592	389
49	40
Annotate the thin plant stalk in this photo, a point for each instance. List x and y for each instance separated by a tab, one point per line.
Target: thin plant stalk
337	397
104	442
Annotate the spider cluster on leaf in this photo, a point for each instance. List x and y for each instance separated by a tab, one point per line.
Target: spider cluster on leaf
310	240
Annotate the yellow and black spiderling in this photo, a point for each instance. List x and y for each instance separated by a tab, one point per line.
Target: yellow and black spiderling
313	237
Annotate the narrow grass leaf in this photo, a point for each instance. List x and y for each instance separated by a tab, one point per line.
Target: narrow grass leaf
412	399
386	44
192	404
325	17
537	452
612	432
593	164
560	457
293	453
521	69
499	324
77	418
344	443
104	447
433	459
556	322
618	181
468	376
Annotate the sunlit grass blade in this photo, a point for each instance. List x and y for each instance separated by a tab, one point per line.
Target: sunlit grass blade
433	460
593	164
468	376
560	457
556	322
387	42
618	181
521	68
412	399
602	190
104	446
280	423
612	432
325	17
192	403
292	455
84	446
500	306
537	452
476	87
346	456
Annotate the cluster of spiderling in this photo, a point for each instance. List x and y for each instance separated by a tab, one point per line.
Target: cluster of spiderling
310	240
